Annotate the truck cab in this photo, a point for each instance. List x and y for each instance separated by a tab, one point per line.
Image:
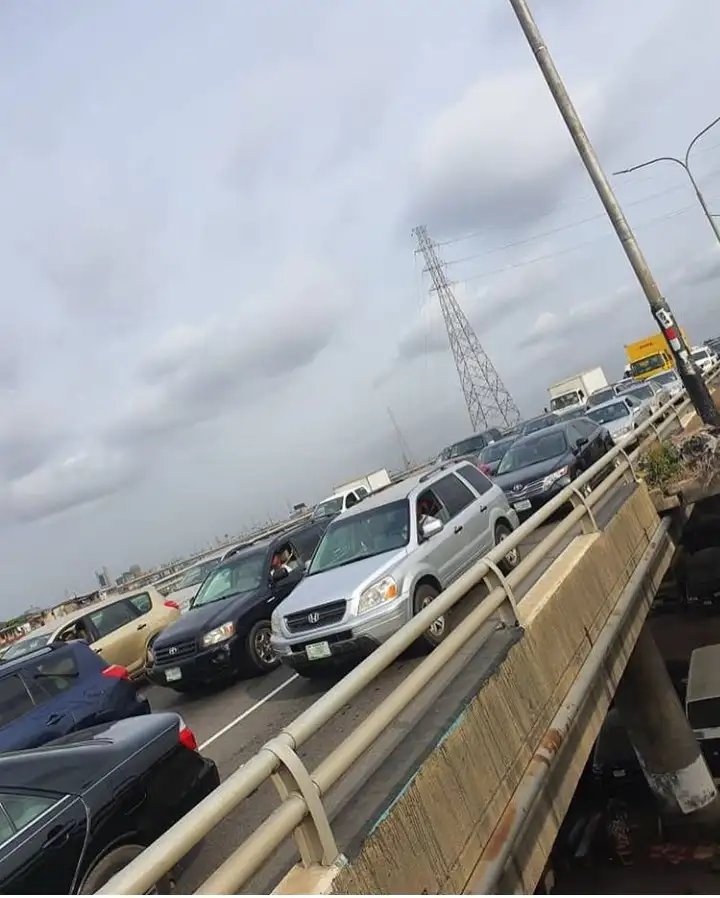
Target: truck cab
650	356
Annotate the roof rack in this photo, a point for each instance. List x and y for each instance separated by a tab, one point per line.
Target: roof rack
443	466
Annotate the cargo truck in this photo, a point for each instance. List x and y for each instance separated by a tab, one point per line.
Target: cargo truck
651	355
573	392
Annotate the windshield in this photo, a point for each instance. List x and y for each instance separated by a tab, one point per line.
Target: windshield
25	646
363	535
613	412
470	446
541	448
700	355
564	401
650	363
243	574
667	377
601	396
641	392
495	451
329	507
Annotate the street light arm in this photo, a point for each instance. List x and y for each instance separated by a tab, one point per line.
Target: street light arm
698	136
626	171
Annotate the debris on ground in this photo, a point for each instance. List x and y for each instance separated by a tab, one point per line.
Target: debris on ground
685	469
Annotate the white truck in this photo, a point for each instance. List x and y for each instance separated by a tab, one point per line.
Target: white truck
348	494
572	392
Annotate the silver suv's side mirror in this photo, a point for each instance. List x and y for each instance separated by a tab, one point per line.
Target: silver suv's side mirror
430	527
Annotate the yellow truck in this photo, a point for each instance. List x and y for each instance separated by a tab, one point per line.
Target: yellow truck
650	356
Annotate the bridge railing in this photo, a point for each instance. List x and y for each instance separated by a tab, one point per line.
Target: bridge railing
301	811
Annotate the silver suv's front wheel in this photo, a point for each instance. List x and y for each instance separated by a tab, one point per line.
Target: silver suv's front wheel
437	631
512	559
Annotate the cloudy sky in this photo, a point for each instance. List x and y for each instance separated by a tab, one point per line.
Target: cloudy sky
210	295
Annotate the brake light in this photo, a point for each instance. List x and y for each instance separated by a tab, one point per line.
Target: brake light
484	469
186	736
168	603
117	671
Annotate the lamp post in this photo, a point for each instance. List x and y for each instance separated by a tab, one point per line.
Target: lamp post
689	372
684	164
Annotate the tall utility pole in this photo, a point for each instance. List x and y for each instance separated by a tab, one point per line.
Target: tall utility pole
685	164
488	401
402	442
690	374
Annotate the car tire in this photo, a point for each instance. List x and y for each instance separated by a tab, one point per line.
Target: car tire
259	651
512	559
102	871
438	630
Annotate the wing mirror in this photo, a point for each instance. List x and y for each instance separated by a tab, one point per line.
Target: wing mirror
430	527
278	573
580	442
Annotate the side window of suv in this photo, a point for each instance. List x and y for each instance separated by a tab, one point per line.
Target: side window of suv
141	603
110	618
475	478
453	493
14	699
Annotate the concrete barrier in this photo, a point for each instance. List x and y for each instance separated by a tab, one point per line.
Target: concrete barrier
442	828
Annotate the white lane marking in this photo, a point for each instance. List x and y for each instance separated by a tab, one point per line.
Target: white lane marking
247	713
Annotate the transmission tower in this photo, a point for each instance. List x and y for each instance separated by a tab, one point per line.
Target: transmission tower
488	401
404	450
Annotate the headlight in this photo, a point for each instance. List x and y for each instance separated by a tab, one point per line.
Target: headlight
555	477
275	622
625	429
219	634
375	595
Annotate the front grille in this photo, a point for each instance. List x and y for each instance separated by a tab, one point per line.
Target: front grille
312	618
169	653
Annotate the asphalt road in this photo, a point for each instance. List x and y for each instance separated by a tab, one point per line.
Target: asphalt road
233	722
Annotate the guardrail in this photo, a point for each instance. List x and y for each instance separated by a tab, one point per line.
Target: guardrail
301	810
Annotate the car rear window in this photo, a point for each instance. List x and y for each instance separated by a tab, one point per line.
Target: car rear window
14	699
475	478
52	675
453	493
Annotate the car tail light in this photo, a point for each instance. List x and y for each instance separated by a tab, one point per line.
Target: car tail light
484	469
186	736
168	603
117	671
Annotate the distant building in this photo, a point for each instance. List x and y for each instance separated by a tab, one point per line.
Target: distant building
135	570
104	579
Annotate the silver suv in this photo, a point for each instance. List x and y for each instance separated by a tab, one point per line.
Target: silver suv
381	562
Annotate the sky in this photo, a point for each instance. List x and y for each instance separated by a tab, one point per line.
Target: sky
211	294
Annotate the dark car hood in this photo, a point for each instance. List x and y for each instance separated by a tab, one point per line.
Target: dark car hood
532	472
205	617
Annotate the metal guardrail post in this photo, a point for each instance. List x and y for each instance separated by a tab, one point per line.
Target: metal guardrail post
495	578
313	836
588	522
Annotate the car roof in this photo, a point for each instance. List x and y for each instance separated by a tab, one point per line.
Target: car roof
553	428
615	401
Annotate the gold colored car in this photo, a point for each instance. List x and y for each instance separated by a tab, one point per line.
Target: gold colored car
120	629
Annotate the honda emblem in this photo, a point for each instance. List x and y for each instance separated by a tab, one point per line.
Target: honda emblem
313	617
172	651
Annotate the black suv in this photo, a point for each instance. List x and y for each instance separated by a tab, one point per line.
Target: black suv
226	630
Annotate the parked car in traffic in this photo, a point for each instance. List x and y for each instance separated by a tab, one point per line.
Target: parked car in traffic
607	394
621	416
183	593
59	689
384	561
539	423
539	466
491	456
648	393
704	357
76	811
338	503
120	629
226	630
470	446
669	381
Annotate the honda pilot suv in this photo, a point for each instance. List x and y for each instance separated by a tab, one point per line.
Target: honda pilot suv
381	562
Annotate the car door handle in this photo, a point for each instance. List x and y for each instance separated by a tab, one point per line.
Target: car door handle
458	528
141	626
482	508
55	718
57	836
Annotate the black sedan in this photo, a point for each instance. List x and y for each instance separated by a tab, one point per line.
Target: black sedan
538	466
76	811
226	630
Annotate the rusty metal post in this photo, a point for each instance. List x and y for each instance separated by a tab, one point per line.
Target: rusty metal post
661	735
